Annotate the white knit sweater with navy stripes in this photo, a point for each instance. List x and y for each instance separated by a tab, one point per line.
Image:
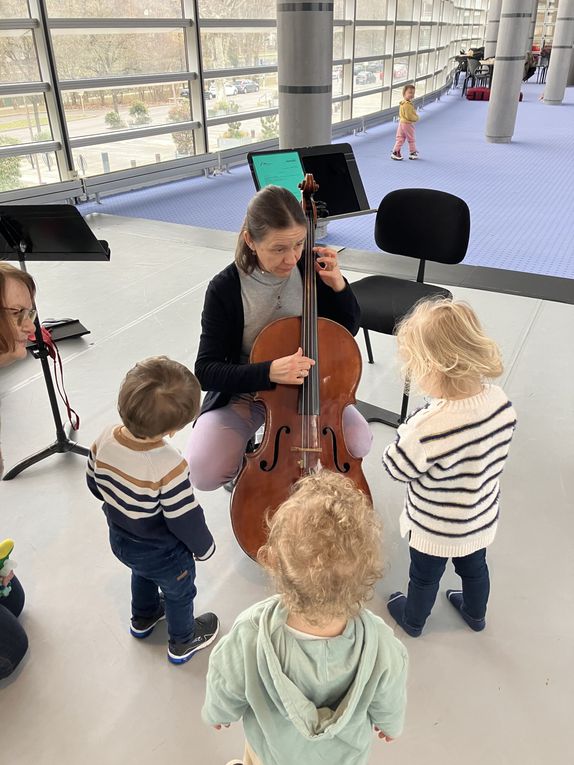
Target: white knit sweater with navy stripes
451	454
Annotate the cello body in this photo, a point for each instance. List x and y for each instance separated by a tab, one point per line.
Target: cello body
304	423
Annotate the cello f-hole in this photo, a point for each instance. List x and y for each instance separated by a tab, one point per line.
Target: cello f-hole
263	463
345	467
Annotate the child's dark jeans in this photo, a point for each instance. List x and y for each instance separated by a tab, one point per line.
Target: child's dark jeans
172	569
424	578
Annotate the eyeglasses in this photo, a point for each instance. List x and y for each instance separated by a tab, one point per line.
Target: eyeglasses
21	314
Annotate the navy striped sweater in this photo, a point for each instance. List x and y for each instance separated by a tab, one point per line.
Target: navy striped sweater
146	491
451	455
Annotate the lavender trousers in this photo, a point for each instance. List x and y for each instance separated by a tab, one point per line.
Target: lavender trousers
219	438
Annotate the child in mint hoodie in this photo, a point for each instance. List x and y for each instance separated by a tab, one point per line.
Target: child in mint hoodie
310	671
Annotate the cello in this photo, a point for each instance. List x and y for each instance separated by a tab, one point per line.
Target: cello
303	423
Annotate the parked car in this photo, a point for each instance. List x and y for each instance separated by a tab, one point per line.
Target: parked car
400	72
365	78
208	94
230	89
184	93
247	86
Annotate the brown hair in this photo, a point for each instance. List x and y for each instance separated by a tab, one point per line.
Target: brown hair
444	338
271	209
157	396
408	87
7	331
324	548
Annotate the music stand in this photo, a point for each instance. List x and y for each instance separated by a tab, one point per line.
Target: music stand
47	232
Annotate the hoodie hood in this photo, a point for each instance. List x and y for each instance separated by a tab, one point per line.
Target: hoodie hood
331	673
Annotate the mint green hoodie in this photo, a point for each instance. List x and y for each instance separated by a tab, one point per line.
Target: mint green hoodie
307	702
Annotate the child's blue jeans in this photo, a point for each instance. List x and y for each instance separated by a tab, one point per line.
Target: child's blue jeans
172	569
424	578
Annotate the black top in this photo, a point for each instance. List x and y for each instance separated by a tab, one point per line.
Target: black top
217	365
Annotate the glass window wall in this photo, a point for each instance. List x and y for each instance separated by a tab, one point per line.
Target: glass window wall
131	75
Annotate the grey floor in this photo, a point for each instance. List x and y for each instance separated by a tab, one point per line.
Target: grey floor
88	692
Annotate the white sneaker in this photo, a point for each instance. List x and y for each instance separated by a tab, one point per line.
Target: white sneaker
414	155
396	155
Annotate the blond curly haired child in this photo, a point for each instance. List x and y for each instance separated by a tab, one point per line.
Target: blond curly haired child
311	671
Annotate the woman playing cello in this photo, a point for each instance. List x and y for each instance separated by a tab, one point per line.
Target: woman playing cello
263	284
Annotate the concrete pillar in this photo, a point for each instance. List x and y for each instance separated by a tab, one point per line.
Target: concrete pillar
508	70
532	25
305	64
571	72
492	22
561	53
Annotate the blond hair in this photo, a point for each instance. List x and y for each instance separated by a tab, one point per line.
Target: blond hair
444	338
323	550
8	334
158	396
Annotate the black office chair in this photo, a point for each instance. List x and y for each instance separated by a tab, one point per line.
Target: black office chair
416	223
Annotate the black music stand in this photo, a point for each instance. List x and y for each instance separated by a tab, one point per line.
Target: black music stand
47	232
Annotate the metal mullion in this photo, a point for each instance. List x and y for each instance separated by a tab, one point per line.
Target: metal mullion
341	61
23	149
132	133
374	23
374	57
131	23
371	91
349	53
241	116
54	105
235	23
23	88
126	80
213	74
192	41
7	24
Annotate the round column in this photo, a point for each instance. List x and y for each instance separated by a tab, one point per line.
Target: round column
532	25
508	70
561	55
492	22
305	64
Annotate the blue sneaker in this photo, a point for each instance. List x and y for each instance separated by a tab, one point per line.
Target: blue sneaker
206	629
142	626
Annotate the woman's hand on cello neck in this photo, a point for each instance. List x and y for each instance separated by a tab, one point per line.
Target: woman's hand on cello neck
290	370
328	269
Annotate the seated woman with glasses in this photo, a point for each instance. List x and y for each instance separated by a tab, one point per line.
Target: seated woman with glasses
17	314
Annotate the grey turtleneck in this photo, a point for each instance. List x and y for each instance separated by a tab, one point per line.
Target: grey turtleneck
267	297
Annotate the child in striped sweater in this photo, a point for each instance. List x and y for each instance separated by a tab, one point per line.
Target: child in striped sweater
450	454
156	526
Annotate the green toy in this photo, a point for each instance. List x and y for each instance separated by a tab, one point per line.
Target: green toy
6	565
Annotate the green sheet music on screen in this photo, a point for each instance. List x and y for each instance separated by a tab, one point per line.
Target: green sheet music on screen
282	168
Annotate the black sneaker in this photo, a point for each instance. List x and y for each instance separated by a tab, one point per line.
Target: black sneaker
206	629
142	626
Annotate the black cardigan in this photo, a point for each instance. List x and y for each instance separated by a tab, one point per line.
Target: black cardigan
217	365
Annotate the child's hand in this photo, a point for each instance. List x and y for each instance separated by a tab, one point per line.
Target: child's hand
383	735
5	580
221	725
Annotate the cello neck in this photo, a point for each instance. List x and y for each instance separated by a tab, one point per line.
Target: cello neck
309	402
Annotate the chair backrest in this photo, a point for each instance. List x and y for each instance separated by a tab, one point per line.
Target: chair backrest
473	65
424	224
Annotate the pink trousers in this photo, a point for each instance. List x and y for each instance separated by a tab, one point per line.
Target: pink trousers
219	438
405	132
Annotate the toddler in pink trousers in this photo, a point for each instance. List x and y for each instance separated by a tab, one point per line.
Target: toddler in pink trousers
406	130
